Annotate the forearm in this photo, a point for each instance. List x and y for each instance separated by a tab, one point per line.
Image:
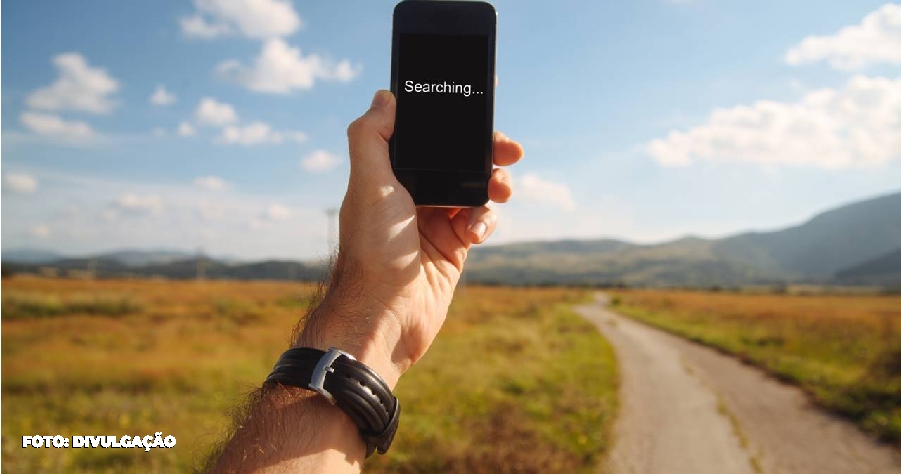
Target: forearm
389	295
288	429
348	318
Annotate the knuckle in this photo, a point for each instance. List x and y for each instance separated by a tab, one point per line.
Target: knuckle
357	126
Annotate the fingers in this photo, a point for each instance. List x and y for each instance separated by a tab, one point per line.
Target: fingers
368	139
474	225
500	187
482	222
506	151
437	227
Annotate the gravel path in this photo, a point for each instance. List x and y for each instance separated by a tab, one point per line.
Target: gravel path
687	409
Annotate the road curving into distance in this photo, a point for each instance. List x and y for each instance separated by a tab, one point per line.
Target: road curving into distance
688	409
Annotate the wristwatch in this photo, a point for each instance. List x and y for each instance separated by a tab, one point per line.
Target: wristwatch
348	383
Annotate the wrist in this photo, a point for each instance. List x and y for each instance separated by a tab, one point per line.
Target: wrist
333	447
363	328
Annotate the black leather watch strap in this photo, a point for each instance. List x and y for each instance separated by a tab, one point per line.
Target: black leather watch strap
347	383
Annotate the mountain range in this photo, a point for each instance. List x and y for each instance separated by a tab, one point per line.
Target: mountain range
854	244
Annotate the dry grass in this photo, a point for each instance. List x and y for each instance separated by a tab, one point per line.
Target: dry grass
844	350
516	383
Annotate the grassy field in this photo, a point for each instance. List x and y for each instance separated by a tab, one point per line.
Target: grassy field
843	350
515	383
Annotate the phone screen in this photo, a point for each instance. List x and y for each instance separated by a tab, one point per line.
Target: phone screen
442	102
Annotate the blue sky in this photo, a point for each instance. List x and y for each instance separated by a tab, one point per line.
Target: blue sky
220	124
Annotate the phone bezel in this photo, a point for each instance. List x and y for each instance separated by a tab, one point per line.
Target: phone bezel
447	188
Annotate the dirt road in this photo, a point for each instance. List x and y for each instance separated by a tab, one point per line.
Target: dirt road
687	409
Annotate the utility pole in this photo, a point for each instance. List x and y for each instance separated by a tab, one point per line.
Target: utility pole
92	268
291	271
332	214
201	265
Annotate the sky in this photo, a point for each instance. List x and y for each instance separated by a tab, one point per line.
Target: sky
219	125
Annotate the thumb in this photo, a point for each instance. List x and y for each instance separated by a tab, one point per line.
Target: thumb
368	139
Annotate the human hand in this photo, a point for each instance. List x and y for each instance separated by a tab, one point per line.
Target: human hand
397	265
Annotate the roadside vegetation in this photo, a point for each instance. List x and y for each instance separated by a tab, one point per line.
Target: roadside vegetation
844	350
516	382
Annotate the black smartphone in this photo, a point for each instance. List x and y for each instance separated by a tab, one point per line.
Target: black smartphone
442	74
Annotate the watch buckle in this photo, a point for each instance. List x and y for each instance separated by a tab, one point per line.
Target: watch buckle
323	368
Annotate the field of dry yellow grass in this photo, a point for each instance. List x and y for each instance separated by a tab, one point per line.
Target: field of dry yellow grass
516	382
844	350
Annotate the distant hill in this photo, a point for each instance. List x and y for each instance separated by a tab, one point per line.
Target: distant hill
559	247
126	257
822	246
685	262
859	243
811	252
183	269
885	270
134	258
29	256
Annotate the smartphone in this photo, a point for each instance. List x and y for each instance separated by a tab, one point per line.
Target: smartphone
442	74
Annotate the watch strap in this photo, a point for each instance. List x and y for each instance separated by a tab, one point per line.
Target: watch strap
348	383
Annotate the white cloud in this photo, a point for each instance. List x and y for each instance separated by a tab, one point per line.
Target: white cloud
273	214
296	136
525	220
55	128
253	134
198	27
255	224
257	133
344	71
252	18
877	39
19	183
281	69
533	188
133	204
79	87
162	97
212	112
278	212
859	125
185	129
109	215
186	217
211	183
158	132
39	231
212	211
320	161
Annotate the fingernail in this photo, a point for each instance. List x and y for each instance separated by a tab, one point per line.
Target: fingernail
479	229
379	100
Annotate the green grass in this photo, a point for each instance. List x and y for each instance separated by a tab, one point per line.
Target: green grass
845	351
25	304
515	383
510	387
